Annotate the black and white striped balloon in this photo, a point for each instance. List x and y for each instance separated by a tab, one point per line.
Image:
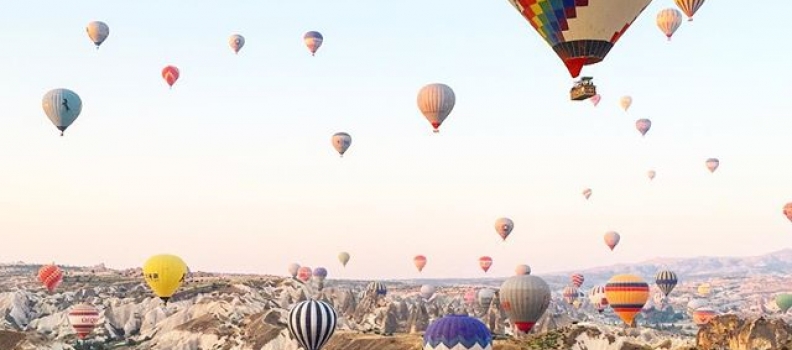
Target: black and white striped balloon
312	323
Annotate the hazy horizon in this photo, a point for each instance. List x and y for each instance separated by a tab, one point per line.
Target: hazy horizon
233	170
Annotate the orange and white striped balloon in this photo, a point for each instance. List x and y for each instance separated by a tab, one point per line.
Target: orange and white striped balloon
627	295
51	276
669	20
689	7
83	318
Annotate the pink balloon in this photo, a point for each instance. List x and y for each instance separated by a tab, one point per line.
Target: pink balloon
595	99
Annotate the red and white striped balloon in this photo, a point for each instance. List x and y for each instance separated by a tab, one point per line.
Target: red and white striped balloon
83	318
577	280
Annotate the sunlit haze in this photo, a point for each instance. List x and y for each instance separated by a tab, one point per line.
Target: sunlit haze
232	169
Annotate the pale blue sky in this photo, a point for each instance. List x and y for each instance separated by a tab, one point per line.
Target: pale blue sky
233	169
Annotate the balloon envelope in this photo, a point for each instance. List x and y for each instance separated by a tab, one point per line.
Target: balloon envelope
666	280
669	20
627	295
651	174
485	263
170	74
703	315
83	318
712	164
436	101
98	32
312	323
577	279
304	273
580	32
293	268
62	107
458	332
643	126
419	261
427	291
525	299
50	276
343	257
313	40
236	42
788	211
612	239
784	301
587	193
164	274
522	270
625	102
504	227
341	142
689	7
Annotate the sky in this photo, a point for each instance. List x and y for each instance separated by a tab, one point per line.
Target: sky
232	169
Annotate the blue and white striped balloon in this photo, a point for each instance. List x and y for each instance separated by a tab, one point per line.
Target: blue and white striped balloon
312	323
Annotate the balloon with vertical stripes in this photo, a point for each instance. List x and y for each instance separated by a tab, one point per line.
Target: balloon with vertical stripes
666	280
312	323
689	7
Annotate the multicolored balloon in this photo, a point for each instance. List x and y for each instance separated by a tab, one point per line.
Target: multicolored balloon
525	299
713	164
669	20
689	7
313	40
83	318
598	298
436	101
570	294
504	227
666	280
98	32
62	107
50	276
170	74
312	323
612	239
419	261
577	280
341	142
457	332
236	42
580	32
703	315
485	263
643	126
627	295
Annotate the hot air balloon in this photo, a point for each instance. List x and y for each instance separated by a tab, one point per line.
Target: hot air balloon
314	41
570	294
522	270
62	107
458	332
703	315
525	299
83	318
612	239
341	142
668	21
50	276
312	323
694	305
784	301
598	298
436	101
643	126
689	7
485	262
304	273
504	227
651	174
788	211
420	262
427	291
580	32
577	280
170	74
666	280
293	269
587	193
485	296
164	274
377	288
625	102
627	294
595	99
703	289
97	32
343	257
236	42
319	274
713	164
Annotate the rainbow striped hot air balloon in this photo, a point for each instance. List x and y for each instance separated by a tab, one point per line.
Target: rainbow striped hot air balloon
457	332
627	295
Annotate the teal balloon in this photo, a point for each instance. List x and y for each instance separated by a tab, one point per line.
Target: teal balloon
62	107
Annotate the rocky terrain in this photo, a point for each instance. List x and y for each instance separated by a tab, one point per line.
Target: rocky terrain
248	312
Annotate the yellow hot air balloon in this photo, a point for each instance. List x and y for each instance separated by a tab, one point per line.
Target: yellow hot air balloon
627	295
704	289
164	273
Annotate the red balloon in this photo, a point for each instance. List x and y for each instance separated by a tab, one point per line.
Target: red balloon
51	276
420	262
485	262
170	74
